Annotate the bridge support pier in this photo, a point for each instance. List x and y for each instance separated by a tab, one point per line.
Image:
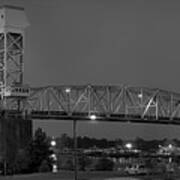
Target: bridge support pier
15	133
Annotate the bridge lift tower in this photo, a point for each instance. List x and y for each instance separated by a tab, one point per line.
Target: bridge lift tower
13	22
15	132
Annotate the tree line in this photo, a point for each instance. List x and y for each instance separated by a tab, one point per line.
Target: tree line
36	156
84	142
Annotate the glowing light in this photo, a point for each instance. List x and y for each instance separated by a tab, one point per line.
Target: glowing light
54	168
129	146
53	143
140	95
93	117
67	90
54	157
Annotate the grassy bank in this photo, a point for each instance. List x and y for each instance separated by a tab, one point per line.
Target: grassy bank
69	175
64	175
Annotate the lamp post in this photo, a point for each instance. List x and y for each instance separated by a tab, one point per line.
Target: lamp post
75	149
129	148
91	117
68	92
170	148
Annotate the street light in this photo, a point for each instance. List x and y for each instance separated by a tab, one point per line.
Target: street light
53	143
129	146
170	146
68	90
54	157
140	95
75	149
93	117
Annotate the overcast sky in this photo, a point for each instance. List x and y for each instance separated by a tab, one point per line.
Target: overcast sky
134	42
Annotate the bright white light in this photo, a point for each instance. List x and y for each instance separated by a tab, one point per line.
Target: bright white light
54	169
53	143
93	117
170	146
54	157
128	146
67	90
140	95
136	151
54	166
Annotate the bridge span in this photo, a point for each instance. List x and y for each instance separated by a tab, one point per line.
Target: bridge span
102	103
105	103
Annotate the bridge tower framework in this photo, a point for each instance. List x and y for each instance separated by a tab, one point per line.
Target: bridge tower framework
13	22
15	132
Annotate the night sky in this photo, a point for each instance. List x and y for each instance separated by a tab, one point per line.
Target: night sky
134	42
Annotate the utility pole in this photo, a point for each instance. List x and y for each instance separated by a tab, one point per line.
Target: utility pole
75	150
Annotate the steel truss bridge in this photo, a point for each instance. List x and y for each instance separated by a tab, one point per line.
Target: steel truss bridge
102	103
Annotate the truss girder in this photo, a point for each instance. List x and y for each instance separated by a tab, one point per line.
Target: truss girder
106	101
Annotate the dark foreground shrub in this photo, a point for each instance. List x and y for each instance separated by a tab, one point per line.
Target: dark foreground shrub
45	166
104	164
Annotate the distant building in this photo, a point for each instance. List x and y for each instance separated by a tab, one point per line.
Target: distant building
168	150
